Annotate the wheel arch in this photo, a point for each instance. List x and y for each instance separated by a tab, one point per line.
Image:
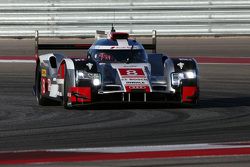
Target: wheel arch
189	87
70	68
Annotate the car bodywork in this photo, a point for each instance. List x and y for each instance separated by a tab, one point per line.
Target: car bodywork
116	68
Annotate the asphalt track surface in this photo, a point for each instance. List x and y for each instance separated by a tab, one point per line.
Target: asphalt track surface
222	116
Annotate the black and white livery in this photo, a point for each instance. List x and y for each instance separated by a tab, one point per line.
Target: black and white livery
116	68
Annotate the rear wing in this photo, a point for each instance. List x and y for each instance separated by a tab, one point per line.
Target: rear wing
39	46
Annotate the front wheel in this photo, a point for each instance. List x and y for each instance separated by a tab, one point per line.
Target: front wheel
66	102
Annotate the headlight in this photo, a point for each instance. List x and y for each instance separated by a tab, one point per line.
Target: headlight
177	77
96	82
95	77
190	74
80	75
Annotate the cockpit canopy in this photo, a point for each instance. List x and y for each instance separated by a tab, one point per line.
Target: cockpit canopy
117	50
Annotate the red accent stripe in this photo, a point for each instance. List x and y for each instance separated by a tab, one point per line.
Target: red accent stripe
49	157
61	71
82	92
188	92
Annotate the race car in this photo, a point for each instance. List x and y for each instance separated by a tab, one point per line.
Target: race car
116	68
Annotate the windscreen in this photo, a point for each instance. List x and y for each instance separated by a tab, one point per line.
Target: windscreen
119	56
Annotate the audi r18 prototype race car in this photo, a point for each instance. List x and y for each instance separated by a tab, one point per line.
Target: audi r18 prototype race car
116	68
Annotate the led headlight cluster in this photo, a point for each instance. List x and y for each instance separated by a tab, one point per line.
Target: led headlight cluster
190	74
177	77
95	77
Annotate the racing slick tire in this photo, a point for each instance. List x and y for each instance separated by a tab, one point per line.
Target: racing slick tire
66	90
38	88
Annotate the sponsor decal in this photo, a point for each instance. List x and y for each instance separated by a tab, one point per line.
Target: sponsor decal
43	85
134	79
185	59
181	65
44	73
79	59
132	72
114	47
89	65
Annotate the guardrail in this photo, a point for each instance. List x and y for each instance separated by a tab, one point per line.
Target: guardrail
81	18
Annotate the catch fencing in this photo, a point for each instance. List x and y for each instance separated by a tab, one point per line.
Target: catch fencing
81	18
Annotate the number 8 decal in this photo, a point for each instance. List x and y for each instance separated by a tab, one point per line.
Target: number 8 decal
131	72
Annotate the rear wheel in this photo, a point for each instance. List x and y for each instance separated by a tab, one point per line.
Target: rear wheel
38	88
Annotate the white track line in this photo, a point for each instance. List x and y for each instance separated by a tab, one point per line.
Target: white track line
128	149
225	63
17	61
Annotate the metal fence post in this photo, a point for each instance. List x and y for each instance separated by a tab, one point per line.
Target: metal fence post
154	41
36	43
